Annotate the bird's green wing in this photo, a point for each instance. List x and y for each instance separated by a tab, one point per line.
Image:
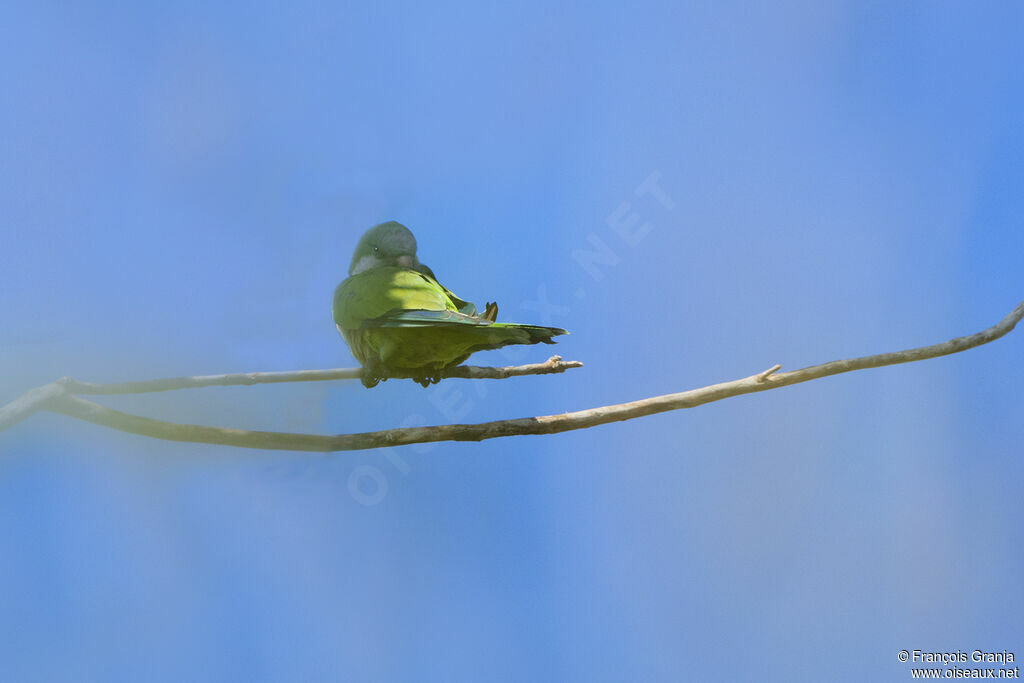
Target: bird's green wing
370	295
461	305
455	319
423	318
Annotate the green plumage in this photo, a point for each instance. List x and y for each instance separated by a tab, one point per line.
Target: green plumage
399	321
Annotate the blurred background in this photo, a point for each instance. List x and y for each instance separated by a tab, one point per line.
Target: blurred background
695	191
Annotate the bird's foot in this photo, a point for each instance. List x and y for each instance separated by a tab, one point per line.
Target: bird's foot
369	379
427	381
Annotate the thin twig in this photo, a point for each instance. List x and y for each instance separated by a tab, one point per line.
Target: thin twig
42	397
763	376
554	364
548	424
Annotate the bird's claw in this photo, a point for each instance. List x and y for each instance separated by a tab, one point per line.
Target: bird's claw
370	378
427	381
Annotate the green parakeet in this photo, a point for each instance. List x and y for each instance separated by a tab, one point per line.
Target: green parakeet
399	321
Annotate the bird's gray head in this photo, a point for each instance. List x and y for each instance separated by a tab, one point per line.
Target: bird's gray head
386	244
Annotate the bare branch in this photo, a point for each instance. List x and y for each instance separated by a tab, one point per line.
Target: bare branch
555	364
41	398
28	403
549	424
836	367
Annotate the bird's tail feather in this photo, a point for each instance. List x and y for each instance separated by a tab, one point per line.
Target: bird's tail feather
481	333
525	334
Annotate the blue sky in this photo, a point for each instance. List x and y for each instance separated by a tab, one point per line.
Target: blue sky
181	190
